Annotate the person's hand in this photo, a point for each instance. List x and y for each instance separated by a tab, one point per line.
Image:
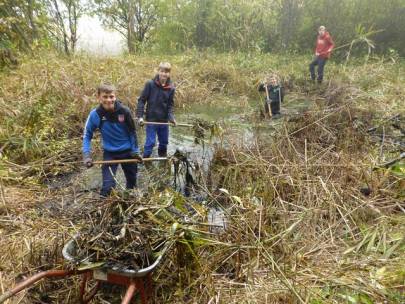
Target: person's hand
317	54
140	121
88	161
173	122
135	155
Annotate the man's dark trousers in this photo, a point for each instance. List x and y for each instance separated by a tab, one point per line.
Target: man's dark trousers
320	62
108	171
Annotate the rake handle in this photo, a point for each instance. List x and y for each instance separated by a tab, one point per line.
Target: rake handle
167	124
122	161
267	95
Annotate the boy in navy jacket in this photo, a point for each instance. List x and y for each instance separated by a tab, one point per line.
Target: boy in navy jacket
274	96
117	128
158	96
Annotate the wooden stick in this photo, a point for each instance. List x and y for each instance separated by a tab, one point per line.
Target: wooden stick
121	161
268	98
168	124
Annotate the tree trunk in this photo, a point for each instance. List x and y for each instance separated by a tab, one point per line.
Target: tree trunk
62	27
73	18
32	20
131	40
131	35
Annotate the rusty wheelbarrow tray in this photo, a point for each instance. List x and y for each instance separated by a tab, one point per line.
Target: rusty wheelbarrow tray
134	280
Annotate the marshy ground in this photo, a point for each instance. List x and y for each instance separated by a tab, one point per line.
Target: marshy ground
311	217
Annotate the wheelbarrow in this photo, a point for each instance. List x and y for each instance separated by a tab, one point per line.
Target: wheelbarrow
135	280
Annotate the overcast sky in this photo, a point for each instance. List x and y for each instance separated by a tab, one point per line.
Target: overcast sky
94	38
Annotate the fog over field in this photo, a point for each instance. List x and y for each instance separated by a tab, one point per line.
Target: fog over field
94	38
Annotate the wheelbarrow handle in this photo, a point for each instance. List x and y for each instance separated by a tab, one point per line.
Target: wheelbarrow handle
35	278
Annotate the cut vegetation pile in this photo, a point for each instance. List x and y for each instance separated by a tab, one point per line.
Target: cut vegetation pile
114	237
126	235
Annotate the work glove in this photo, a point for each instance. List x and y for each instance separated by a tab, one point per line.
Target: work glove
135	155
140	121
88	161
268	100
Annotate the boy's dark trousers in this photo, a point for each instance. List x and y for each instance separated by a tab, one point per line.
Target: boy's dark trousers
162	132
320	62
108	171
274	107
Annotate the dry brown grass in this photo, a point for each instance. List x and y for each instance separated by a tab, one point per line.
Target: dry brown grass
301	228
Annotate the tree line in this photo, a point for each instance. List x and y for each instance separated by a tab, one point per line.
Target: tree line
173	26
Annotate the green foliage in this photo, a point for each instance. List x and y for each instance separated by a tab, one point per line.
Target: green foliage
22	23
172	26
278	25
28	26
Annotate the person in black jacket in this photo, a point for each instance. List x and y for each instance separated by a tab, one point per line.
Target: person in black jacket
158	96
274	95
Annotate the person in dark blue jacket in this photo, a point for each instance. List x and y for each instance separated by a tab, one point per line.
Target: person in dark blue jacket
158	96
274	96
119	140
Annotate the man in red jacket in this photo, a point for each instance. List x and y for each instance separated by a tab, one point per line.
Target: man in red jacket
324	47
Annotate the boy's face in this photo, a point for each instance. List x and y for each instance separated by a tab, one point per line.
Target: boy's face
273	81
163	75
321	31
107	100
